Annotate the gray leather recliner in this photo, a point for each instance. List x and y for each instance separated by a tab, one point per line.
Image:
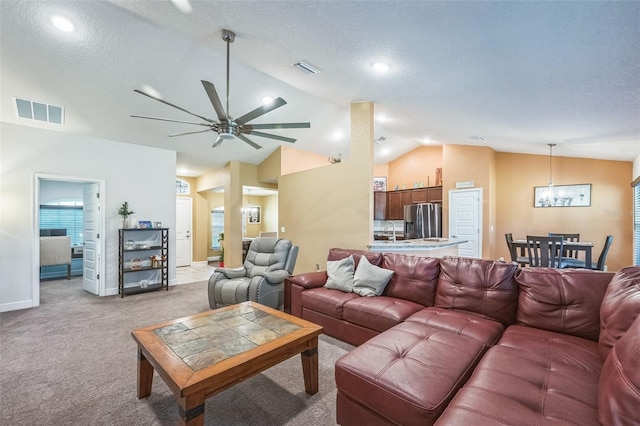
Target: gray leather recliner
261	279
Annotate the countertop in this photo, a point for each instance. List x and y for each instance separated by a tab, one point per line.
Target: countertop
415	244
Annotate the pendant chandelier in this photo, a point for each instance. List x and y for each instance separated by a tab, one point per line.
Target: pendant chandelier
550	197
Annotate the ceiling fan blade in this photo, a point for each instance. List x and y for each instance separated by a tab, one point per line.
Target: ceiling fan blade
261	110
215	100
167	119
279	126
249	141
189	133
175	106
270	136
217	143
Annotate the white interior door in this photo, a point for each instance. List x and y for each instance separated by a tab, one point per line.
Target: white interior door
183	231
465	220
91	237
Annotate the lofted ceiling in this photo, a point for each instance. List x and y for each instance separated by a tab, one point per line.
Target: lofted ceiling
515	76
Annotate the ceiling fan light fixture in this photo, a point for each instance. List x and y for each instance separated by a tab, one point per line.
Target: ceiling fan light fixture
226	136
304	67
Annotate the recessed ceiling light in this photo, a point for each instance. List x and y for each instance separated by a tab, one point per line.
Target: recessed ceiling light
427	141
380	66
62	23
267	100
183	6
382	118
337	135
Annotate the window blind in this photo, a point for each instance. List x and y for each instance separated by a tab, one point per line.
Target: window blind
636	224
69	218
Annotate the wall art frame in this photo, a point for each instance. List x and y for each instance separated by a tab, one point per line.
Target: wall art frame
254	215
380	183
578	195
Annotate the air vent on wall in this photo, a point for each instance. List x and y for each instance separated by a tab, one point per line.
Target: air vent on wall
37	111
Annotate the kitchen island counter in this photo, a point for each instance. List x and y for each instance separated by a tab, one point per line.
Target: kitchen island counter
426	247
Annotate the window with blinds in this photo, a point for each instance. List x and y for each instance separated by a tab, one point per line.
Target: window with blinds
217	226
63	217
636	223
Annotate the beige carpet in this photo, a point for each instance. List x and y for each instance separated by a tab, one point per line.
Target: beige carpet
72	361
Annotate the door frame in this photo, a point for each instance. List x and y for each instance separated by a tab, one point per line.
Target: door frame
479	192
37	177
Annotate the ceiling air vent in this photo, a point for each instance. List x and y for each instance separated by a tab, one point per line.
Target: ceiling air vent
309	69
32	110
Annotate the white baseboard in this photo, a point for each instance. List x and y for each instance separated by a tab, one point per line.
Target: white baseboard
213	258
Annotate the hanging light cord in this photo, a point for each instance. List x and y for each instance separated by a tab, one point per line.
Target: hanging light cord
551	145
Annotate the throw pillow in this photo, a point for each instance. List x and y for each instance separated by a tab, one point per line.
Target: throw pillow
340	274
370	280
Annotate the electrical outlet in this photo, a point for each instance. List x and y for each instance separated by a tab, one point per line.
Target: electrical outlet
282	229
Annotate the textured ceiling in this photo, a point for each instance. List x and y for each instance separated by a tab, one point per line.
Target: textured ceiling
514	76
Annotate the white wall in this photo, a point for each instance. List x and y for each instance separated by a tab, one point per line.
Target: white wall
143	176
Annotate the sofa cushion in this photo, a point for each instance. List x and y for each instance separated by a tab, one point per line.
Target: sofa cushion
409	373
340	274
370	280
531	377
566	301
619	398
620	307
485	331
327	301
378	313
414	277
375	258
481	286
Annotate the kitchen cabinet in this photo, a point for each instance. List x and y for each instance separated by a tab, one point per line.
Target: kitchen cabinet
143	260
395	204
396	200
379	205
434	194
419	195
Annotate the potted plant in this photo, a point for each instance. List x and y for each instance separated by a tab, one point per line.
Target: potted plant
221	239
125	213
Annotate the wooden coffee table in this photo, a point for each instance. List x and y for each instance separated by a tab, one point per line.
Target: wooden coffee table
206	353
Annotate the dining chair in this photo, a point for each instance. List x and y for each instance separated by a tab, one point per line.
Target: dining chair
513	251
545	251
574	238
598	266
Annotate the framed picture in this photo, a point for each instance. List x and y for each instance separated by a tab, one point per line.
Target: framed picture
379	183
562	196
145	224
157	224
253	214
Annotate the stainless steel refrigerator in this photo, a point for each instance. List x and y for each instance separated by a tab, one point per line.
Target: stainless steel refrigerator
423	220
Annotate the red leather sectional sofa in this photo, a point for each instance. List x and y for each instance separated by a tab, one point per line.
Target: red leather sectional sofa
459	341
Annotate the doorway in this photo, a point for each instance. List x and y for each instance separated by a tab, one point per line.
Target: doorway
465	220
89	242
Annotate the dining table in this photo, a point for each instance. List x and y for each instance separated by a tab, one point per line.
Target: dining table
578	246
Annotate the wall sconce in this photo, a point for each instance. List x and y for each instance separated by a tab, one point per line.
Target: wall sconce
334	160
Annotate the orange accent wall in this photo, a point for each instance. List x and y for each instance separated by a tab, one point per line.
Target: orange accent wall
611	210
418	165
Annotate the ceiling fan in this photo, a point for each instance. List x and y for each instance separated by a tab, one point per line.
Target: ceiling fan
227	127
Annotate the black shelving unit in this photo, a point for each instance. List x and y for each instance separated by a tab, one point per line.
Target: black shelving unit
135	262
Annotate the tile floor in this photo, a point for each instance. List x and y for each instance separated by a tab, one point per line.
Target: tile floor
194	273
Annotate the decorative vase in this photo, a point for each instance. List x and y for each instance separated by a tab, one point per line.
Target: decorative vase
125	223
133	222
